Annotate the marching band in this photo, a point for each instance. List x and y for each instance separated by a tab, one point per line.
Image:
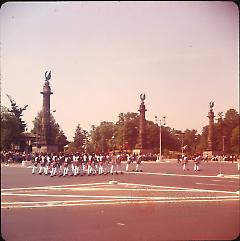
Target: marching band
79	164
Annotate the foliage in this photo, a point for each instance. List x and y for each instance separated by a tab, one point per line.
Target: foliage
17	111
56	136
101	137
10	128
61	140
235	140
80	140
226	134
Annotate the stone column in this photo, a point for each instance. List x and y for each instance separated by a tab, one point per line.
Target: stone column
141	135
44	137
211	116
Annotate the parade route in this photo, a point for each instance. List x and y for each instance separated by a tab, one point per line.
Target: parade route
124	193
156	204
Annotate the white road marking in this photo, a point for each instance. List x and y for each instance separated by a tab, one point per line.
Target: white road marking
111	199
213	184
182	175
49	187
183	188
123	202
127	184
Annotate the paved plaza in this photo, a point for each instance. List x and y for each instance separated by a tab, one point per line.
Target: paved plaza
161	203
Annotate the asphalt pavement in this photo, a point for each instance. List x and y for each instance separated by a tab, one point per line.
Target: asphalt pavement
161	203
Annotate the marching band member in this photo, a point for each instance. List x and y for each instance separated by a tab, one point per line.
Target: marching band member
138	163
35	165
113	163
129	162
65	165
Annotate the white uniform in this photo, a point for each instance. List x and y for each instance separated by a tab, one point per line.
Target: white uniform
197	163
35	165
185	161
113	164
139	163
129	163
119	164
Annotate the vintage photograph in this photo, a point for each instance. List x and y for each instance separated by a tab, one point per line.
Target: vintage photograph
120	120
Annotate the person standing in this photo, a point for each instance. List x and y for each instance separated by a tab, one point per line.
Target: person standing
35	164
119	163
100	164
54	165
197	160
113	163
185	162
65	166
139	160
129	162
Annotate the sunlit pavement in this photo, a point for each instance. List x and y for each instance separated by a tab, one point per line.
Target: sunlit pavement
161	203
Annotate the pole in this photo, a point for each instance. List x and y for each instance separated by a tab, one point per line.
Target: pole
160	142
221	158
182	144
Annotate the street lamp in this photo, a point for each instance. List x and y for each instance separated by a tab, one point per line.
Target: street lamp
160	135
113	142
182	134
221	157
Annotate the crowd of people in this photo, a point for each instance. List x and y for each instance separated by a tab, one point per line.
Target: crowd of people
60	164
74	164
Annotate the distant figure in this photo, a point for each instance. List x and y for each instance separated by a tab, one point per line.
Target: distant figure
185	162
197	161
178	159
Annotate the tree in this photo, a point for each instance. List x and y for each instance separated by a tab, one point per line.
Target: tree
79	140
61	141
54	130
190	141
17	111
101	137
126	130
235	140
10	128
224	130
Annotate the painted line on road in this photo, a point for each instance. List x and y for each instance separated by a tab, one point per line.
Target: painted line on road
181	175
114	198
49	187
183	188
214	184
136	186
121	202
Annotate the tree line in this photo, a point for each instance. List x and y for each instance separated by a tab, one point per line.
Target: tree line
123	135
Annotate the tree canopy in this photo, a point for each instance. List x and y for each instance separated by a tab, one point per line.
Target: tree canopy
57	136
10	128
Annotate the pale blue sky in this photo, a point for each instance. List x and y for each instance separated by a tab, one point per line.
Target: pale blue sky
103	55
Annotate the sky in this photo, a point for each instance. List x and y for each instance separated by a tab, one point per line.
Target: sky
103	55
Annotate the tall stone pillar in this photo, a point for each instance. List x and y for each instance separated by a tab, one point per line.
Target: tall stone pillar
44	144
210	130
44	135
141	141
210	143
142	121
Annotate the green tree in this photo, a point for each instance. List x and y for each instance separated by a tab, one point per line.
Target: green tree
126	130
61	140
224	130
191	139
18	112
235	140
10	128
101	137
79	140
54	130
